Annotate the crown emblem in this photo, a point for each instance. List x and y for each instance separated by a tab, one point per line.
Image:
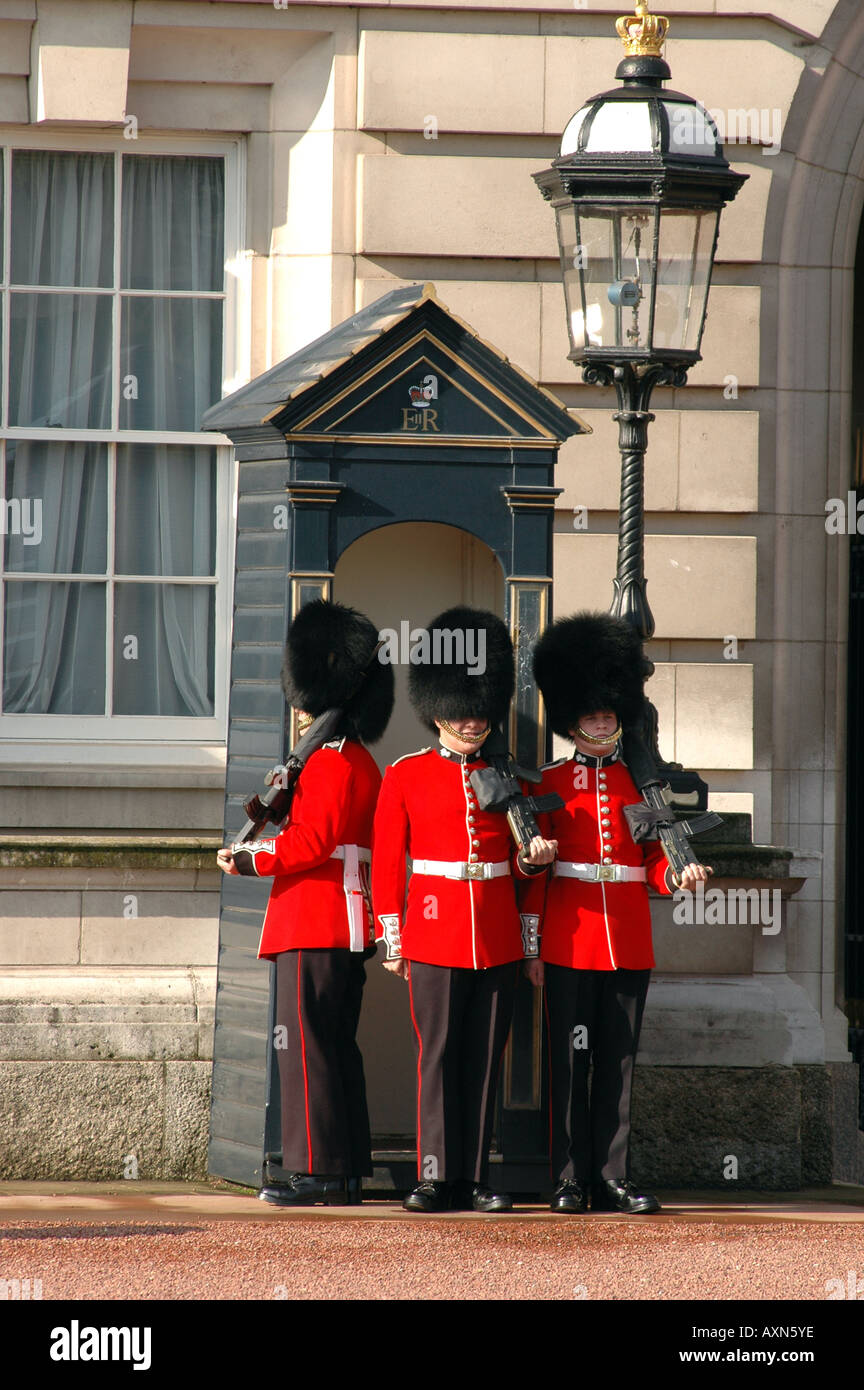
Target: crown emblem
427	391
642	34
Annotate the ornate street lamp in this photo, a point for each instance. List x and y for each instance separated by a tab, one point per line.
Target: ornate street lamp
637	190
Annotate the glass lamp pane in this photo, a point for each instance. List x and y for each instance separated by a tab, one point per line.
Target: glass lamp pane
621	127
570	138
606	259
691	130
683	270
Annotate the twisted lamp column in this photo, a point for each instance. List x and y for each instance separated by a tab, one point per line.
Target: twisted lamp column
630	600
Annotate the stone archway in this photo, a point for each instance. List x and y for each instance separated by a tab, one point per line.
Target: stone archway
813	219
409	571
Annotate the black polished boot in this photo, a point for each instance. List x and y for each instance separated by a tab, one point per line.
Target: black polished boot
612	1195
570	1196
472	1196
305	1190
428	1196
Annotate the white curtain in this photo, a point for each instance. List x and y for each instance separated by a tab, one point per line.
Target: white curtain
166	525
60	375
172	240
54	648
60	344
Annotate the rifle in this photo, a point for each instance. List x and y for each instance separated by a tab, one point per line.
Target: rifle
273	806
655	819
497	788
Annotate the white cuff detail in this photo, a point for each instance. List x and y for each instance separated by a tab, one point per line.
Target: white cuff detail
391	934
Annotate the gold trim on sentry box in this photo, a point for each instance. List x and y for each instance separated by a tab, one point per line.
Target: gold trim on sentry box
445	441
422	336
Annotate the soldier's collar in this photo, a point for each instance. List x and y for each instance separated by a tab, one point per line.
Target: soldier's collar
458	757
590	760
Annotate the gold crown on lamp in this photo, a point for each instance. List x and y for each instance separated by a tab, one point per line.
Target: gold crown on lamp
642	34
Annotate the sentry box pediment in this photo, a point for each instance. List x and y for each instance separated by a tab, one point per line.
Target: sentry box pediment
404	370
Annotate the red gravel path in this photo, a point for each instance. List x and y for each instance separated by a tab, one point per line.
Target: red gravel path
427	1258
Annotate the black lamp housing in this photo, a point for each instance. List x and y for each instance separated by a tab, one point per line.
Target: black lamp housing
637	190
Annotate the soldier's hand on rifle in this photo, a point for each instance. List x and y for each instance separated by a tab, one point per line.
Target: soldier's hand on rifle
692	875
397	967
540	851
225	860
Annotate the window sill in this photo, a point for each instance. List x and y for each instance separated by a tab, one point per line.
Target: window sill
111	765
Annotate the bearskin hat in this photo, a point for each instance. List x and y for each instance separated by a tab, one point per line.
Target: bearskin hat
590	662
464	668
329	665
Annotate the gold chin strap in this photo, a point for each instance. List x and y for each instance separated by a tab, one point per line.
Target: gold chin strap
466	738
304	721
607	738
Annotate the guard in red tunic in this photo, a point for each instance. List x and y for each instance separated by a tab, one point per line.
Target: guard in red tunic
318	927
458	941
592	913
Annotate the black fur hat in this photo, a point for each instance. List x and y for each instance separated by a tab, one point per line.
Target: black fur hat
590	662
328	665
462	641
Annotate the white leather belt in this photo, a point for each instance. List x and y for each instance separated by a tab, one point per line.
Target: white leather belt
356	893
461	871
363	854
599	873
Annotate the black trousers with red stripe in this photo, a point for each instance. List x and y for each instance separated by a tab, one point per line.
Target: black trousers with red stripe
325	1121
593	1016
461	1023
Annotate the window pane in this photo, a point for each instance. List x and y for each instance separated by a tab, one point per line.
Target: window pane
163	649
166	509
60	361
62	218
54	648
56	507
171	351
173	223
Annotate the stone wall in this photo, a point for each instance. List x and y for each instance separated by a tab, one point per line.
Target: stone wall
106	1018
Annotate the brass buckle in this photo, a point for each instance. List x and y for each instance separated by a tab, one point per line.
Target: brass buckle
606	873
475	871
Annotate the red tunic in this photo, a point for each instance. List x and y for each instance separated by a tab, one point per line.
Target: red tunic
316	899
604	925
427	809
